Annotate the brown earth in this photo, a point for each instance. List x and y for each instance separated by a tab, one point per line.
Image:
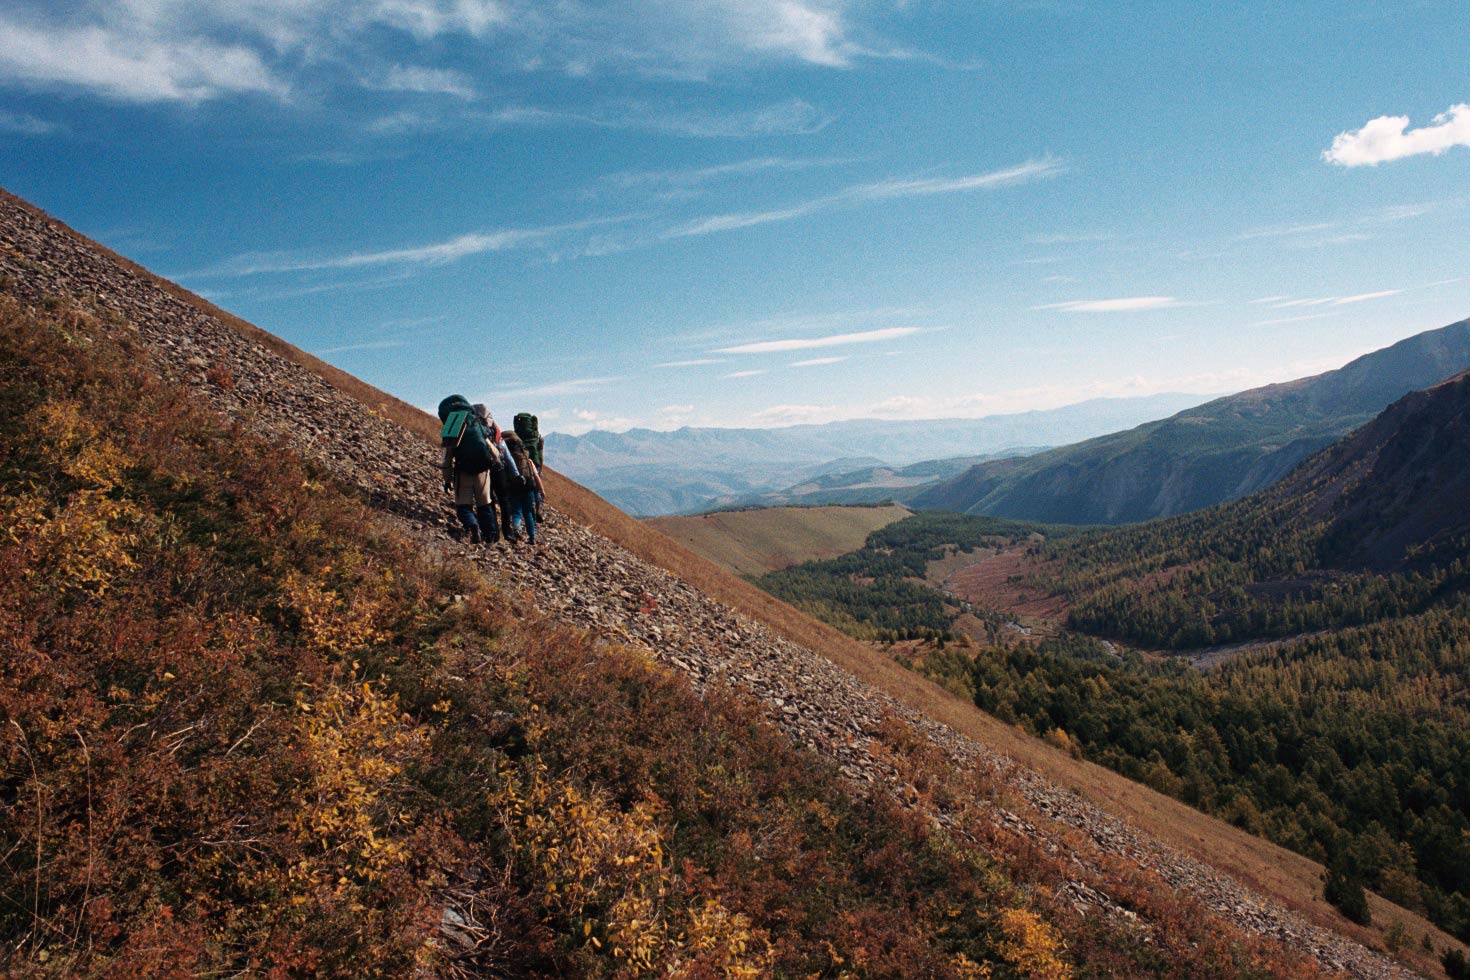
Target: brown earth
987	584
606	572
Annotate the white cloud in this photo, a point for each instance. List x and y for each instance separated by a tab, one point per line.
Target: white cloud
1337	300
193	50
1295	319
1129	304
26	125
792	117
1078	238
721	171
129	65
570	386
426	19
353	348
865	193
425	81
778	415
586	420
811	343
1030	170
745	374
435	253
1389	138
818	361
1270	299
1285	231
1363	297
695	362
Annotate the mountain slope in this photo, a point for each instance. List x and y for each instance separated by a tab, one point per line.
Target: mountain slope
752	542
1332	609
652	473
1219	451
600	571
871	484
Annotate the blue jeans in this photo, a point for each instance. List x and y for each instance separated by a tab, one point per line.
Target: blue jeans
523	508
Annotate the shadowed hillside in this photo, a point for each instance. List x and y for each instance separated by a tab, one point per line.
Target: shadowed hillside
1219	451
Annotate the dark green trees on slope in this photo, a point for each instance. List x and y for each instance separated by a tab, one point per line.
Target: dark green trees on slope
1344	735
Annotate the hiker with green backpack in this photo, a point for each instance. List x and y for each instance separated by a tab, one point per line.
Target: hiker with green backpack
525	489
469	460
528	427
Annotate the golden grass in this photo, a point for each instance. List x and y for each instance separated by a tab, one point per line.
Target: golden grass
1273	871
753	542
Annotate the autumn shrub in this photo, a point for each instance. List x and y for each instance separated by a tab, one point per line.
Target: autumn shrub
247	729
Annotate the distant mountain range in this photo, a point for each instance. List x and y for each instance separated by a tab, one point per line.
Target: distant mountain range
1205	455
648	473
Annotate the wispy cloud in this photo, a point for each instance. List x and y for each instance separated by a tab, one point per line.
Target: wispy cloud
883	190
192	50
570	386
1128	304
130	64
778	415
745	374
818	361
424	81
812	343
703	175
1364	297
693	362
353	348
1295	319
1286	303
1389	138
791	117
1286	231
1065	238
23	124
1028	171
434	253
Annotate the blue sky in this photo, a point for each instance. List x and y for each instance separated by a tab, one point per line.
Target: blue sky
757	212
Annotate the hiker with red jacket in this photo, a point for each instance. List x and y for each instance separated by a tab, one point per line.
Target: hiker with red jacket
504	481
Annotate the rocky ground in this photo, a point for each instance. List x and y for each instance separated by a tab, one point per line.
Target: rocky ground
585	579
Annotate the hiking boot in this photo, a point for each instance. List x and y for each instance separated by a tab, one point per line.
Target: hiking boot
474	535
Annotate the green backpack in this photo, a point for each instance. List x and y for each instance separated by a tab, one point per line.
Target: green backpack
464	434
528	428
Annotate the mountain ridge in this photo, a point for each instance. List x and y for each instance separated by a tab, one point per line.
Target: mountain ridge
653	472
1218	451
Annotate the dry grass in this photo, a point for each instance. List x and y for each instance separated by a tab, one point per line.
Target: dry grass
753	542
1275	872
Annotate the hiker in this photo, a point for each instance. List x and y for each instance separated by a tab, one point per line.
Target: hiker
523	498
528	427
504	481
470	459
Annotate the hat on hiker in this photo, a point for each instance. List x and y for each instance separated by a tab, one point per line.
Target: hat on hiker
482	412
